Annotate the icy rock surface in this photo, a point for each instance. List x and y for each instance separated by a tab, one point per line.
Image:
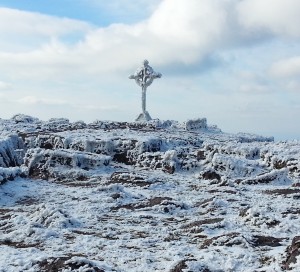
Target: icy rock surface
155	196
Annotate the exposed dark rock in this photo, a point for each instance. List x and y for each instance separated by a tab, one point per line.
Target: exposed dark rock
147	204
168	168
243	212
179	267
210	175
198	223
9	242
291	211
27	201
183	265
128	178
55	264
293	252
259	240
275	175
287	191
228	239
201	155
280	164
122	158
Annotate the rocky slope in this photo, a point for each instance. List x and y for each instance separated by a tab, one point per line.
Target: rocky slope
156	196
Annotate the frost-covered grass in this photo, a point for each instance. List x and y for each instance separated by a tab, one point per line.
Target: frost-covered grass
150	228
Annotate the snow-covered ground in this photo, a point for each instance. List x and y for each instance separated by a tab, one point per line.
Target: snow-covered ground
160	196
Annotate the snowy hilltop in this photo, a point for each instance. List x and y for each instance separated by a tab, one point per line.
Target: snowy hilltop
146	196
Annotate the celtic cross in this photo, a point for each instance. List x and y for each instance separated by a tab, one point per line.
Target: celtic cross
144	77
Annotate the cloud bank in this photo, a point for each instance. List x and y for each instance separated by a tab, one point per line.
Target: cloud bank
178	31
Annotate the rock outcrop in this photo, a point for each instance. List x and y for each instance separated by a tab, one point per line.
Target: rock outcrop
166	145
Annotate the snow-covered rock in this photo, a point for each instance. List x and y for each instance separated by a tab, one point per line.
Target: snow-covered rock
22	118
12	172
153	196
196	124
40	162
11	151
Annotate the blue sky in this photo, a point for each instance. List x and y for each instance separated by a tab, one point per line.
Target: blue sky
98	12
235	62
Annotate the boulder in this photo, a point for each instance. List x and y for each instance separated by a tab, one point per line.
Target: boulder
41	162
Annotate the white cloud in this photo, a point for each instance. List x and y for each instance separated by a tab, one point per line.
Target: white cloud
253	83
286	67
188	30
5	86
277	16
33	100
177	32
254	88
23	22
22	30
294	85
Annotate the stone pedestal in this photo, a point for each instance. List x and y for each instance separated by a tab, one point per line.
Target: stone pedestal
143	117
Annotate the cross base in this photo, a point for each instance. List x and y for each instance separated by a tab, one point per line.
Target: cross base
143	117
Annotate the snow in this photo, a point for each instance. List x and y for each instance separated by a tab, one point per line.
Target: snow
111	196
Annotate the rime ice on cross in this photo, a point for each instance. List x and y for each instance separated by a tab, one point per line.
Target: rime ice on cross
144	77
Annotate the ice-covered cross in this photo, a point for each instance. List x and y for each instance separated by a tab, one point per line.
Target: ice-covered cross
144	77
